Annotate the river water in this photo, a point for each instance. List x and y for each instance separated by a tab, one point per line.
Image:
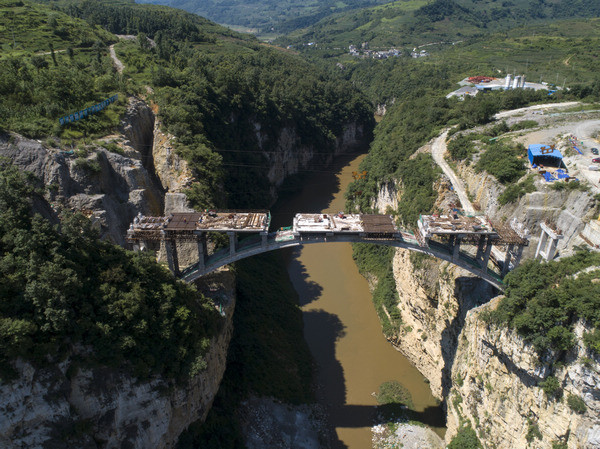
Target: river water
341	326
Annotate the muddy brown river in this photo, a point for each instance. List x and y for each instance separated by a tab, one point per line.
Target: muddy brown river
340	323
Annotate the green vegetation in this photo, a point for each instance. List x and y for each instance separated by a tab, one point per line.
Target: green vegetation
406	24
533	431
576	404
466	438
570	186
514	192
559	445
525	124
461	147
46	75
418	176
592	340
551	387
125	17
375	260
61	287
393	392
29	28
543	301
503	160
395	402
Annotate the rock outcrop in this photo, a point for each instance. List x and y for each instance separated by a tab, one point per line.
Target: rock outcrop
110	188
496	388
66	406
289	155
434	299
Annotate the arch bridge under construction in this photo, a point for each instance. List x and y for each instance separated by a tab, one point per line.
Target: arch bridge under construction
470	242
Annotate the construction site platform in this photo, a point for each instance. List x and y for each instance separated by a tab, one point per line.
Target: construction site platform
343	224
182	223
432	225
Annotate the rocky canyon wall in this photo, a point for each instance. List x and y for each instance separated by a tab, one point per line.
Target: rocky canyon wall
69	406
496	388
490	377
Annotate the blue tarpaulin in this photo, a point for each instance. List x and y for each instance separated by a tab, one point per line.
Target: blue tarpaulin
544	155
548	177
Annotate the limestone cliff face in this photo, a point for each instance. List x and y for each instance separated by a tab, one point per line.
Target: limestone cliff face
495	388
387	197
67	407
289	155
110	188
434	299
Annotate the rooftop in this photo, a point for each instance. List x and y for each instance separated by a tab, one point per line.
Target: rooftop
544	150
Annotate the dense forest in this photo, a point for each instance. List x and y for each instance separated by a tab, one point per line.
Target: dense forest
61	287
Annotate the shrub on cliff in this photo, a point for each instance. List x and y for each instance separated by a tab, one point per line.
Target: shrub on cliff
61	287
466	438
544	300
576	404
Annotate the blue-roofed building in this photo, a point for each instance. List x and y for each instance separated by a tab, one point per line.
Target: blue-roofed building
546	155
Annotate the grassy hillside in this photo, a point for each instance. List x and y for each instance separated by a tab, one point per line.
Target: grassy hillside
29	28
563	52
53	65
409	23
266	16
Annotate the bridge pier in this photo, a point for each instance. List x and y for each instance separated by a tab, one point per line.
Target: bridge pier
233	242
486	255
548	242
264	239
518	255
480	248
455	247
202	249
172	259
507	259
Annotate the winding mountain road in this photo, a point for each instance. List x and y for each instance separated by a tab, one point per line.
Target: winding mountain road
437	152
537	107
118	64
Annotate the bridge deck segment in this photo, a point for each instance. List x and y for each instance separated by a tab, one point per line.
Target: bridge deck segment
438	236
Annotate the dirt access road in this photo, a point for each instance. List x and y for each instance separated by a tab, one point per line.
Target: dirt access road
438	149
118	64
583	130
